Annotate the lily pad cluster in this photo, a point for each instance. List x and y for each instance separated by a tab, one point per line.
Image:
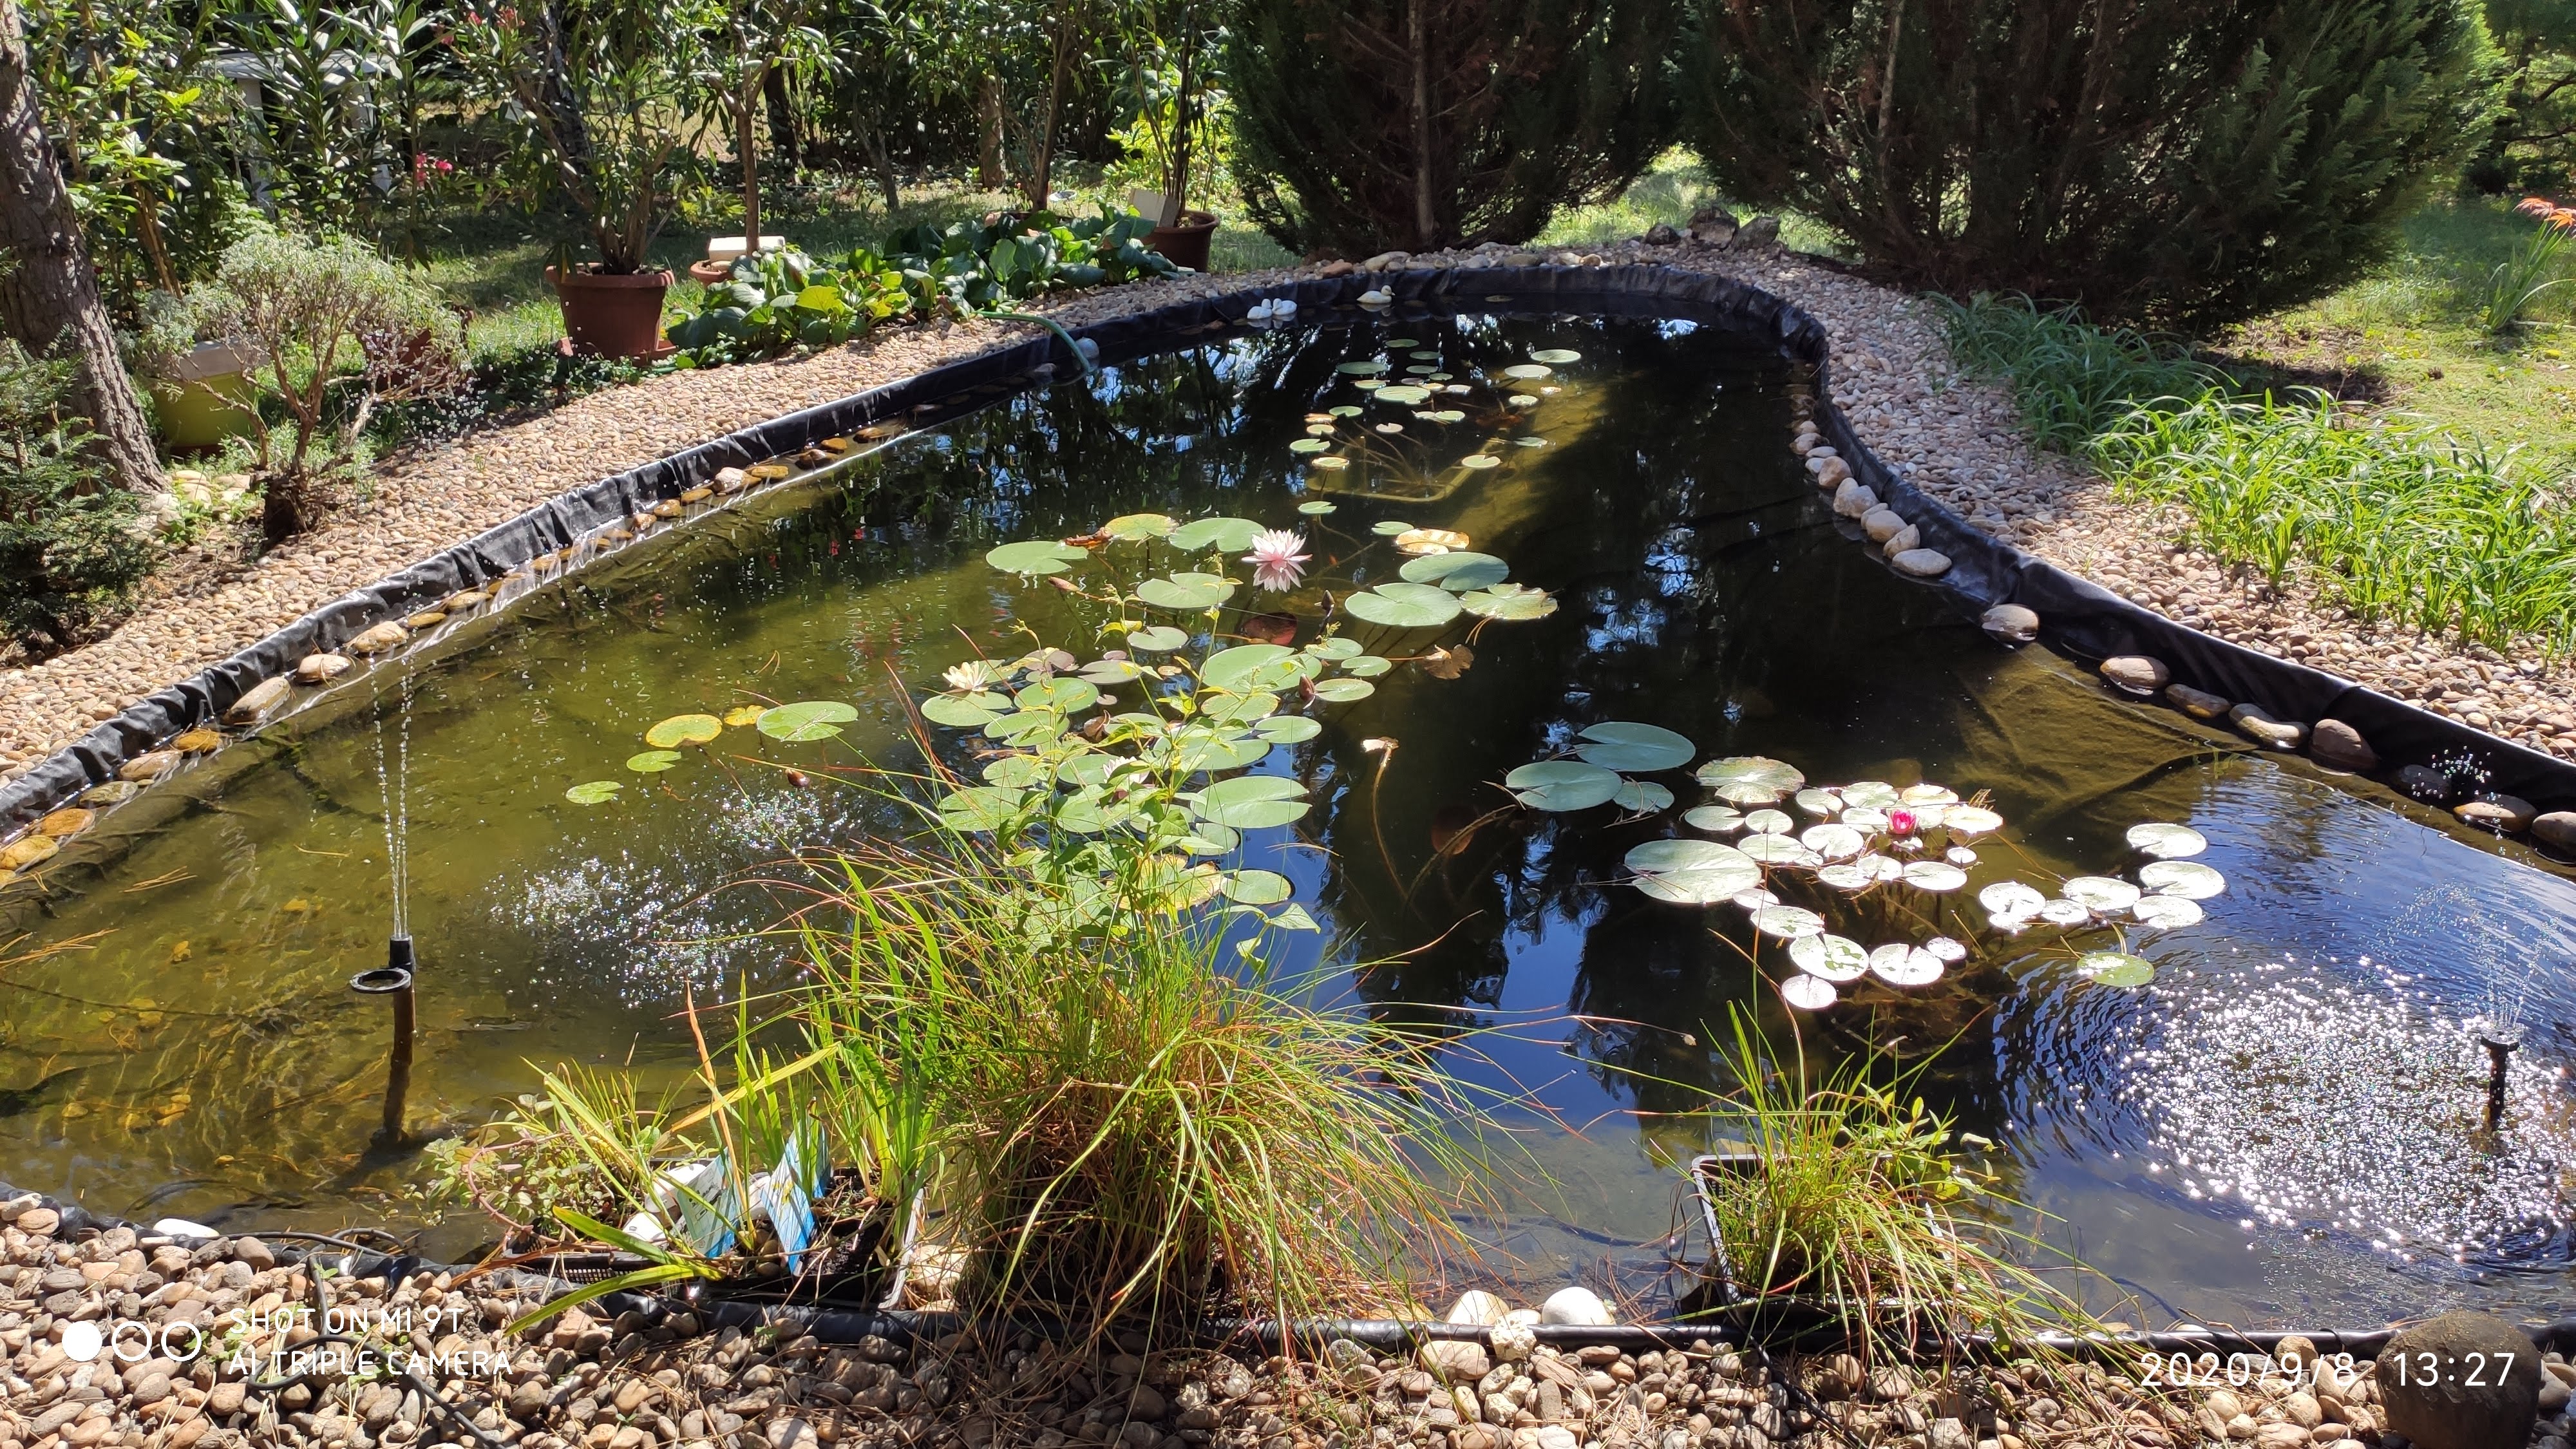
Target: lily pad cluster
668	740
1853	850
1412	396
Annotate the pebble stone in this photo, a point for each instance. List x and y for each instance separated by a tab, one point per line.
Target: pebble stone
1922	563
2011	623
2271	733
2198	703
2139	674
2509	814
2557	830
2339	746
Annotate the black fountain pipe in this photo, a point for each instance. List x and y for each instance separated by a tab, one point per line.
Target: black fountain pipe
394	980
2499	1040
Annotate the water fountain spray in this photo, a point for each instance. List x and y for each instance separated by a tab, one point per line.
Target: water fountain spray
393	980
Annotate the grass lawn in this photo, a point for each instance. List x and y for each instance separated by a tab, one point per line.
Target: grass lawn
2408	338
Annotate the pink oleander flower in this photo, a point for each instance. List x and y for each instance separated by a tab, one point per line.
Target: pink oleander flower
1276	563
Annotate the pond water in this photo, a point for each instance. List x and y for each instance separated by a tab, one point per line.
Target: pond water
2278	1129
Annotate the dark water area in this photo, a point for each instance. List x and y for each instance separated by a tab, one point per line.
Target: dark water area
2277	1130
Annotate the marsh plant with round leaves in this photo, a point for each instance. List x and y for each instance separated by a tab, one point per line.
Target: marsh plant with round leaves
1872	863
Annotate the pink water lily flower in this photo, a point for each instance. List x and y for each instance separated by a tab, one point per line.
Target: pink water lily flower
1276	563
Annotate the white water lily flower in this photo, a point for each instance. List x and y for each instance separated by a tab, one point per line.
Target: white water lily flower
1276	563
970	676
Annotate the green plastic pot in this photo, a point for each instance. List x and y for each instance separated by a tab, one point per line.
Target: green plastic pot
207	397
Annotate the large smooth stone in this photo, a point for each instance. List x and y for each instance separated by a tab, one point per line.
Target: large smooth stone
2139	674
731	480
28	850
1854	499
71	820
1456	1360
258	700
1904	540
2504	814
1881	523
2011	623
2483	1389
1574	1305
2272	734
2557	829
2338	746
384	636
315	668
151	765
2423	784
2198	703
1478	1306
1922	563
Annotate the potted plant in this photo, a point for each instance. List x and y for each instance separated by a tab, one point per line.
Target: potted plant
610	96
201	389
761	39
1171	88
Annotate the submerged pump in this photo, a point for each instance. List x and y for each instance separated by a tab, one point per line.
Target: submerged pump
2499	1038
393	981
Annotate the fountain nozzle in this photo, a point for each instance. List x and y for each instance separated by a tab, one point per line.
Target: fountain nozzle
2499	1038
393	979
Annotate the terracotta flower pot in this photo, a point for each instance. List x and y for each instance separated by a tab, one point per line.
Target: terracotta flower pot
612	315
1186	244
710	274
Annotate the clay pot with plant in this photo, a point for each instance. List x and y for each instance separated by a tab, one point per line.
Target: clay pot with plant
1170	87
610	96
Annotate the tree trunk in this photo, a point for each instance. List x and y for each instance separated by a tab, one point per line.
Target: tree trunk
881	158
784	138
1417	36
48	294
988	147
743	113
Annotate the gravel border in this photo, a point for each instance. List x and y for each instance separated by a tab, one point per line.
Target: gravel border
1956	441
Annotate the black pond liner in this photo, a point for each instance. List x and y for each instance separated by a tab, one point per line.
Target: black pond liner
2078	619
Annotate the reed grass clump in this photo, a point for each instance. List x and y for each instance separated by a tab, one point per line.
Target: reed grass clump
2073	380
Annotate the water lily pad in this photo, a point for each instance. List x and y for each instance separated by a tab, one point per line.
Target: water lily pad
1934	875
1060	694
1718	819
1848	877
1830	957
1529	440
1225	534
2168	913
594	792
1970	821
1886	868
980	807
1289	729
1808	993
1187	591
2065	913
1509	603
2103	894
1946	951
1663	857
1960	855
1634	748
1344	410
1749	779
1833	842
1111	671
1927	793
1403	392
1527	371
811	719
1389	528
1480	461
1251	802
2116	968
1138	527
2166	842
1560	785
2011	898
1258	887
1458	571
1367	666
1018	772
1315	507
2190	880
1769	822
1556	356
1903	965
1367	368
965	711
743	714
1788	922
1819	803
1335	646
652	762
1430	540
1245	666
1157	638
1405	606
1025	727
1224	707
1308	445
1642	795
1867	819
1329	462
1779	850
1343	691
1522	400
1033	557
1871	795
684	729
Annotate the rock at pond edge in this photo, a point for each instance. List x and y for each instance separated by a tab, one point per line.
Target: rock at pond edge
1908	539
2339	746
2198	703
1577	1305
2423	784
315	668
1921	563
2445	1409
2272	734
258	700
2557	829
2504	814
2139	674
2011	623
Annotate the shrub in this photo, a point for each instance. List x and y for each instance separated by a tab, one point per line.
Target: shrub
71	544
2179	161
340	330
1430	123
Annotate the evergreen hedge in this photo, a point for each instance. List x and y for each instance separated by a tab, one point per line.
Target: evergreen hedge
1428	123
2185	162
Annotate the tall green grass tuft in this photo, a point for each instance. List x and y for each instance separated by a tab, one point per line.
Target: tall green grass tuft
2395	519
1140	1121
1856	1199
2072	379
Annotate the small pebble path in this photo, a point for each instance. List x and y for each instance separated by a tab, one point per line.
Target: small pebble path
1957	440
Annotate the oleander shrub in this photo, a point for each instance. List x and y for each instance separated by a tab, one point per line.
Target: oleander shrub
2179	162
72	546
1428	123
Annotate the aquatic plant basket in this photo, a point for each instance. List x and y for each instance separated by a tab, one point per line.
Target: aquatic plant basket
1719	1300
852	1266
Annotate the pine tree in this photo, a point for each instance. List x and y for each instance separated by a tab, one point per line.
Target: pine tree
1427	123
2178	161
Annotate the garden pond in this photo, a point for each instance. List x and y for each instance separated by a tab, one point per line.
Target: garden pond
2262	1109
